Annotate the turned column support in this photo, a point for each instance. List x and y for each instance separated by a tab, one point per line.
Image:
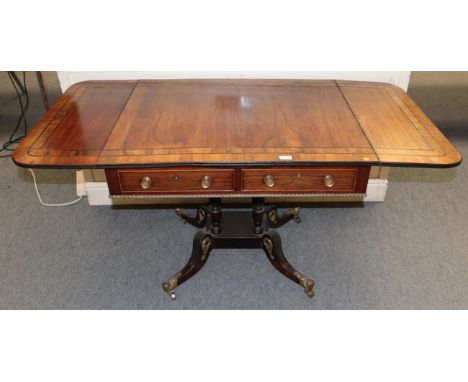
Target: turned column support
215	215
237	229
258	210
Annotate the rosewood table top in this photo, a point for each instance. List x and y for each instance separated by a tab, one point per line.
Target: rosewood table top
227	138
115	124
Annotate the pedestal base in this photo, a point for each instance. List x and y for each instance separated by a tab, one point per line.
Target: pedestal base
237	229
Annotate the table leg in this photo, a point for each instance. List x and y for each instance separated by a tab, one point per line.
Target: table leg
202	245
240	229
271	244
276	220
199	220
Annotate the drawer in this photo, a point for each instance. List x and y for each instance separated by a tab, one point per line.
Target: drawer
305	180
170	181
238	180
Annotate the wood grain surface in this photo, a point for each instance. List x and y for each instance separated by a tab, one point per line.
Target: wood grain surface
108	124
238	180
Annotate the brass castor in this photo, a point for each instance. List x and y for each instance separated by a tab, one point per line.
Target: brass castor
171	294
307	283
169	286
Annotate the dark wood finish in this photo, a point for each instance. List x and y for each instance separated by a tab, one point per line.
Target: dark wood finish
74	130
397	128
299	180
258	211
271	244
174	180
288	179
103	124
237	232
202	246
276	220
235	137
199	220
216	215
362	179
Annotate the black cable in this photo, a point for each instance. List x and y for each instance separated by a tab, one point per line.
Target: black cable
23	110
15	85
22	118
11	140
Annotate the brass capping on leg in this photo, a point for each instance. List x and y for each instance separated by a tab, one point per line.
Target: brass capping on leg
268	245
206	244
171	284
201	215
306	283
273	216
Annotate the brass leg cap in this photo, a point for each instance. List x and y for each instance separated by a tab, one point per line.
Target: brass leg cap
166	287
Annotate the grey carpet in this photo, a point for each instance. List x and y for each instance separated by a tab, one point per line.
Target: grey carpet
409	252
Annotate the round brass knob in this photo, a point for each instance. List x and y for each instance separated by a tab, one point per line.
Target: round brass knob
329	181
145	182
269	180
205	182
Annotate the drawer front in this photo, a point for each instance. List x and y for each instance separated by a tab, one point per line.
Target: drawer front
237	180
301	180
168	181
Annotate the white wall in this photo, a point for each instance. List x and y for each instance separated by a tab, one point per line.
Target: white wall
397	78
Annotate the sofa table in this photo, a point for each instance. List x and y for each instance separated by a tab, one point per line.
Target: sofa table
220	139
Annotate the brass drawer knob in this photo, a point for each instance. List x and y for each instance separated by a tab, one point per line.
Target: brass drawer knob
269	180
329	181
145	182
205	182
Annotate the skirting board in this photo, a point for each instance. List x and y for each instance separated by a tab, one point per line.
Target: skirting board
98	192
